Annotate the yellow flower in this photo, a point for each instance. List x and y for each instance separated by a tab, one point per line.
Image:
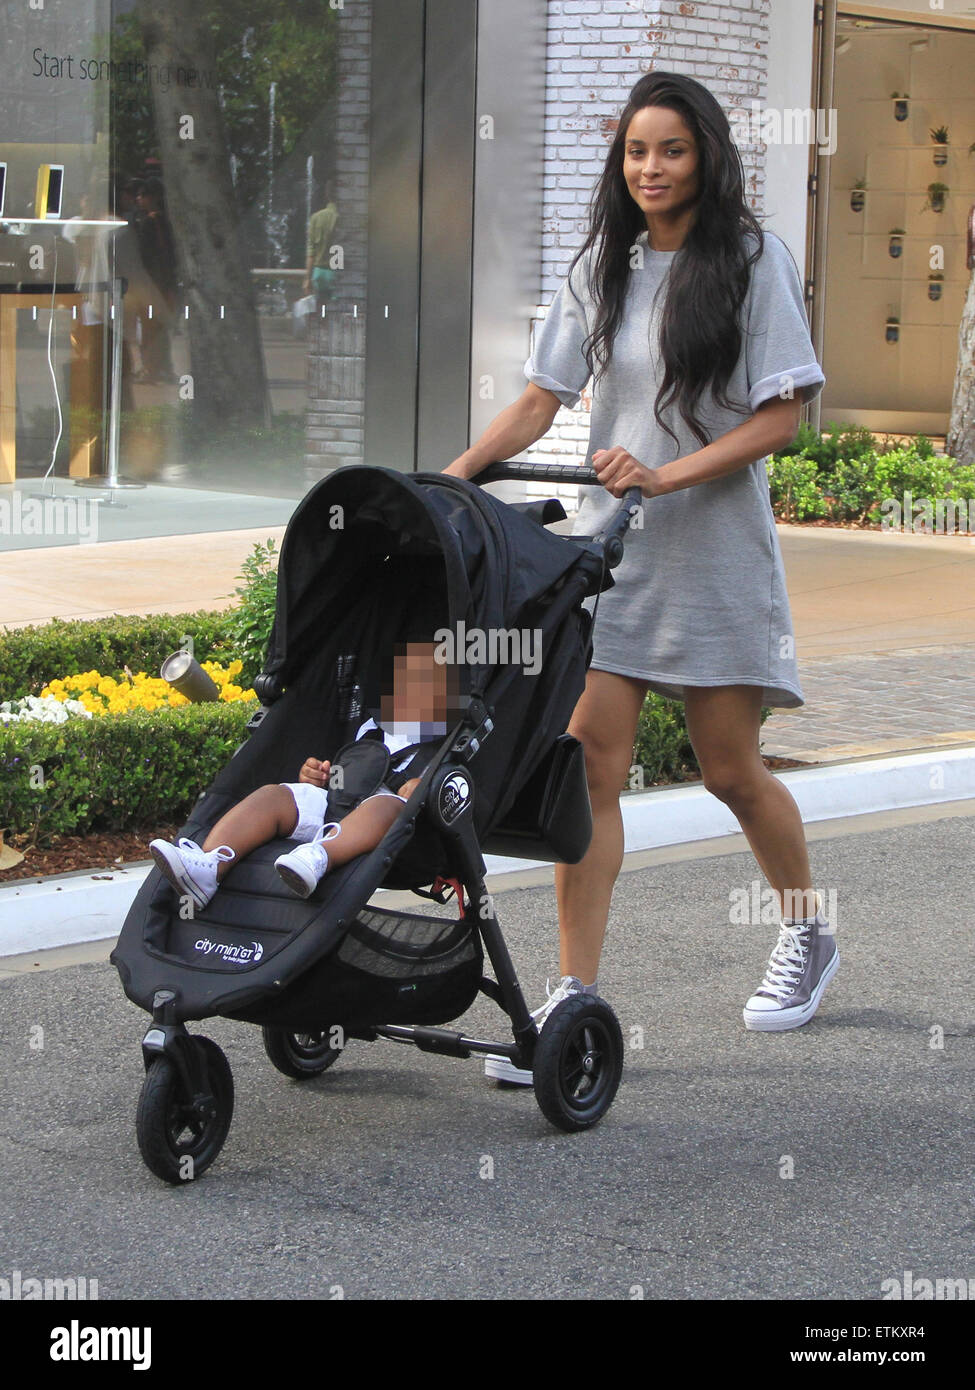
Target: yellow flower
118	694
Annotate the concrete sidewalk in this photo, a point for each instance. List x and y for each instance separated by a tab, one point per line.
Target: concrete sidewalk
885	635
885	623
168	574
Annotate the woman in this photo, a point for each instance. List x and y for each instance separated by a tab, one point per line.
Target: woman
693	326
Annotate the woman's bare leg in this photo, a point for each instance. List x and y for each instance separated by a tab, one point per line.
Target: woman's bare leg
604	721
724	724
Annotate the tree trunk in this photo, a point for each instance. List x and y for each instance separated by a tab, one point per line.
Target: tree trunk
229	382
960	443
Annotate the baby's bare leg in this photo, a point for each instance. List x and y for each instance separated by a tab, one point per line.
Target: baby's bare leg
266	814
363	828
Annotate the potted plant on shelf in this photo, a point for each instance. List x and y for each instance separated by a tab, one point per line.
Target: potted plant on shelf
940	137
900	106
895	246
936	197
858	195
935	280
893	332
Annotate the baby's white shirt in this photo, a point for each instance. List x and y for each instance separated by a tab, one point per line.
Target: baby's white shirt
402	735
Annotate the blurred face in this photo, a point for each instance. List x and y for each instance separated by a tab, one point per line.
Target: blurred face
660	166
421	688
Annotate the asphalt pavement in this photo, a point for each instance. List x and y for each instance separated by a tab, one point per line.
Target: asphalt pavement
733	1165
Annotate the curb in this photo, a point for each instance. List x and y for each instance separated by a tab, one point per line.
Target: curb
86	907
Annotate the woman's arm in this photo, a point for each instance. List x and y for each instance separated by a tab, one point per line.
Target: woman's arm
773	425
517	427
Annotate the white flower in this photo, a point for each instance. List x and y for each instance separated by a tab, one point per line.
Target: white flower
44	710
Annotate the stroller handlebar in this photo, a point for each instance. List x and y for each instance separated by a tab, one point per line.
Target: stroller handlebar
611	538
568	473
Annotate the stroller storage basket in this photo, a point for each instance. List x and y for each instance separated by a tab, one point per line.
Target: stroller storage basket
390	967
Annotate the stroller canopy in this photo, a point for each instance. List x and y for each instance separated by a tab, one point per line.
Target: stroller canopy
433	551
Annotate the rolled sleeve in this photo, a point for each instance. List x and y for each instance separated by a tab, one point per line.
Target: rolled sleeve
779	354
557	362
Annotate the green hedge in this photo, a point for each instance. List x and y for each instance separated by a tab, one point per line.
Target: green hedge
124	772
845	475
32	656
663	747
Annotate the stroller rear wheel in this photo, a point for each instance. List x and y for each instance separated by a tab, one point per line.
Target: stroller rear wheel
300	1055
578	1062
180	1135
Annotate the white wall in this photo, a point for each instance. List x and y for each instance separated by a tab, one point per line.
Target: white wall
790	66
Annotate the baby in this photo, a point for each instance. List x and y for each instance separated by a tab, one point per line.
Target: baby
422	699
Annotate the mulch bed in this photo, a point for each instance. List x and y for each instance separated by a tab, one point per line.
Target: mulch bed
72	853
69	853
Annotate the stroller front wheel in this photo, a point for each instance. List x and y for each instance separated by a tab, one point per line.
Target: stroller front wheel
180	1135
300	1055
578	1062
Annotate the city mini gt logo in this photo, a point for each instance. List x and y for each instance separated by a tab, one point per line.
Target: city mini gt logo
455	795
233	955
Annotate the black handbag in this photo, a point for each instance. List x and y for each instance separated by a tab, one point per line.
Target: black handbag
551	817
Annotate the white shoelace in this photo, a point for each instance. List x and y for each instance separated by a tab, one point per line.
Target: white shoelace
787	962
223	853
539	1015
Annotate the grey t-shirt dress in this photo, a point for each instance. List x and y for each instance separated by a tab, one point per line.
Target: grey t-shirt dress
700	596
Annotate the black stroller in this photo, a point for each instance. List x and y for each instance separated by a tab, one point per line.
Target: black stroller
366	552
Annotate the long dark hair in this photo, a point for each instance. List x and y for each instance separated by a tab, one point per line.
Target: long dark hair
700	334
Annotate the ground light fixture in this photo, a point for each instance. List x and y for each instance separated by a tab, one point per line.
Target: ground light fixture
185	674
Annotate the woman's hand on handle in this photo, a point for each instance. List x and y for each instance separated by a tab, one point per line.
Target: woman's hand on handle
618	470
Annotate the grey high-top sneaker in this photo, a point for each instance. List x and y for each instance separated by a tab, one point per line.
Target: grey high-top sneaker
803	962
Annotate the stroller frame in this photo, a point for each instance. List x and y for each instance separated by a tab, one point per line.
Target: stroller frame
581	1040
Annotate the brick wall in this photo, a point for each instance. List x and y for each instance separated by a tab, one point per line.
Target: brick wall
597	49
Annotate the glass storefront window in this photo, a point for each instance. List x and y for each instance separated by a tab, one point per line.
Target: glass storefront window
244	242
213	167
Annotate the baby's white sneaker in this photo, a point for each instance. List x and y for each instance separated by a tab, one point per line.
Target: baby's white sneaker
191	870
303	868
